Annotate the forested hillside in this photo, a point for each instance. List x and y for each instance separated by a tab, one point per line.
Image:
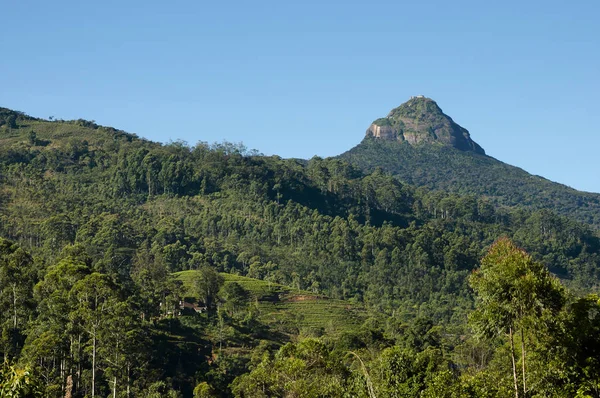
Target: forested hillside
430	161
99	226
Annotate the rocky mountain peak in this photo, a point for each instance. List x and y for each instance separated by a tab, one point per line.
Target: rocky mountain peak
421	120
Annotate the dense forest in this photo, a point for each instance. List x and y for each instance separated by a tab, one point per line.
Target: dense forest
134	269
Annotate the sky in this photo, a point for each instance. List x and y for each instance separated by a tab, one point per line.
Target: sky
306	78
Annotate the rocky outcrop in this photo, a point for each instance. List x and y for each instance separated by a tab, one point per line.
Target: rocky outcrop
385	132
420	120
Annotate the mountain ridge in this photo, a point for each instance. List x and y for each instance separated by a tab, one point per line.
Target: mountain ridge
434	164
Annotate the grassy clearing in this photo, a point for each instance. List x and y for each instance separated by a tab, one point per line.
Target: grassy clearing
290	310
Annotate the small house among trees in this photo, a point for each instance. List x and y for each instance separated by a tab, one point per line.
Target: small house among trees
186	306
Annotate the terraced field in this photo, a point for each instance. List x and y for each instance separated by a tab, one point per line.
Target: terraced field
293	311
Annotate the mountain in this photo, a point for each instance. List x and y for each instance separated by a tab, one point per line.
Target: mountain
422	146
420	120
129	266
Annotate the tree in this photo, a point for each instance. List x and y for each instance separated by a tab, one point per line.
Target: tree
160	389
305	369
514	293
207	282
32	138
204	390
121	344
156	285
574	352
54	346
16	285
11	121
235	296
94	296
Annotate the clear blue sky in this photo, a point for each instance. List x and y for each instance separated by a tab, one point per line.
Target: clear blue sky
306	78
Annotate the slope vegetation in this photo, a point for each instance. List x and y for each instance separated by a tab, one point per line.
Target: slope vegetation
292	311
438	165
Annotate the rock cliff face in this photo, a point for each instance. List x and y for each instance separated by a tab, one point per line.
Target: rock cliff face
420	120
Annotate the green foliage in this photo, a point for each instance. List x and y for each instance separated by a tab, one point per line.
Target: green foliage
303	370
206	285
517	294
284	309
235	296
204	390
447	169
18	382
110	232
17	277
160	389
513	291
384	121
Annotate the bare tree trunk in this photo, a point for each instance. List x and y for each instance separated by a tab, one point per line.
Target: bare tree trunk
69	388
94	365
78	386
523	361
62	374
115	377
514	365
14	305
128	379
